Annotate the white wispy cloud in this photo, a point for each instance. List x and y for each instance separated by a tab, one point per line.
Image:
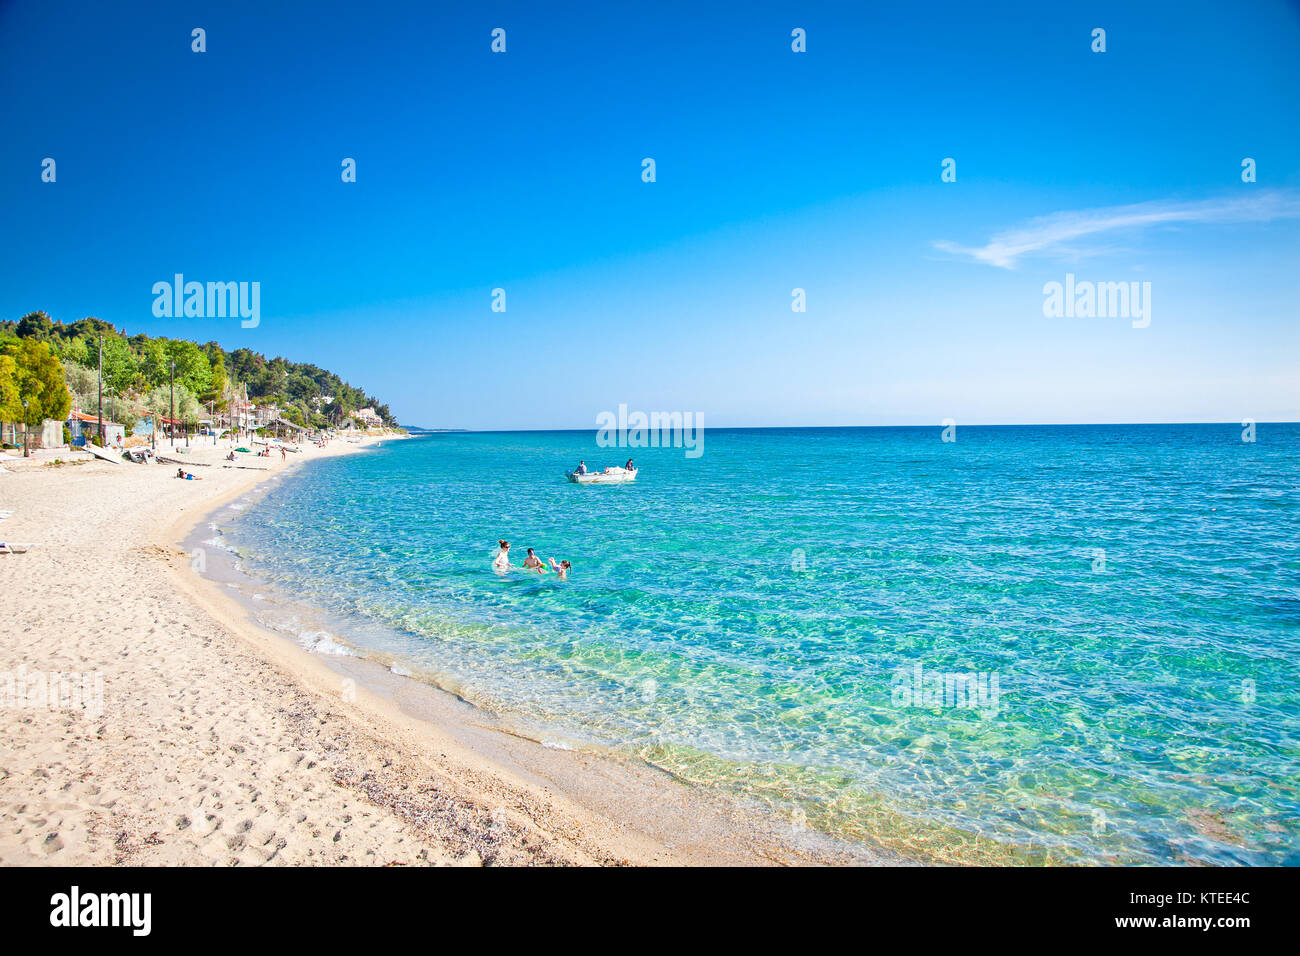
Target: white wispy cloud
1053	235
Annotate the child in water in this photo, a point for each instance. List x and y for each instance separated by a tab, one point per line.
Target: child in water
561	569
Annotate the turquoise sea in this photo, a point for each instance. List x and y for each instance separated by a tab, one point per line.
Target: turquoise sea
1032	644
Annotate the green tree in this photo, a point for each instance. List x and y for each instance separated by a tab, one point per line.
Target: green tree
162	401
82	384
193	370
41	392
154	363
35	325
217	383
338	411
11	407
120	367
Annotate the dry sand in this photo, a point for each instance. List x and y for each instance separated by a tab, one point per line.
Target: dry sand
221	743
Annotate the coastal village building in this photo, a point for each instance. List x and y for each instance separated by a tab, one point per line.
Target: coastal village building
84	427
241	415
287	428
368	418
171	429
48	435
246	416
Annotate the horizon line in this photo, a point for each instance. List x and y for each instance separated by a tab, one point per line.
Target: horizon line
1232	423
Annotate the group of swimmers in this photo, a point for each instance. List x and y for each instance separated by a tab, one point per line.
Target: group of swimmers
532	562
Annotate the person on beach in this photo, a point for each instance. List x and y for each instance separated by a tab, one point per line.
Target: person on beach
283	454
182	473
502	561
534	563
561	569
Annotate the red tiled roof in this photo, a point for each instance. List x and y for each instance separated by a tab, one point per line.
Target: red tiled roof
83	417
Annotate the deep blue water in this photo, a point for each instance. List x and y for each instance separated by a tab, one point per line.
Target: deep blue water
1126	600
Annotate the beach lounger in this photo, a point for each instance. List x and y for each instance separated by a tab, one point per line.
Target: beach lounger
15	547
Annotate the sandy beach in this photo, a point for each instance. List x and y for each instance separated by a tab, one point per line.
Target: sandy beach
217	742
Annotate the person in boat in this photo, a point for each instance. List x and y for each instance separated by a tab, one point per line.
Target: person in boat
534	563
629	466
561	569
581	469
502	561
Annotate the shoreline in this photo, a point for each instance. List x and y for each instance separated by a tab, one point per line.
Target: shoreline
298	761
603	789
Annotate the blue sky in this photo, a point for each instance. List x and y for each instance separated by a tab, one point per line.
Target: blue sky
775	170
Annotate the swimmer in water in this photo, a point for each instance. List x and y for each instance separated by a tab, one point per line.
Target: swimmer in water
502	561
561	569
534	563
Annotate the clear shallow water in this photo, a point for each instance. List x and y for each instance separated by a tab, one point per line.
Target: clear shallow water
1126	597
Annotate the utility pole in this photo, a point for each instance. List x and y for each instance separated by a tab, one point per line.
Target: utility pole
172	392
26	453
101	389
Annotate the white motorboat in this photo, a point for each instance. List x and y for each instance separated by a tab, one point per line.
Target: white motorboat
610	476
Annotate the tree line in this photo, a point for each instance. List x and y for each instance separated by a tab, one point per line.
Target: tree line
53	365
